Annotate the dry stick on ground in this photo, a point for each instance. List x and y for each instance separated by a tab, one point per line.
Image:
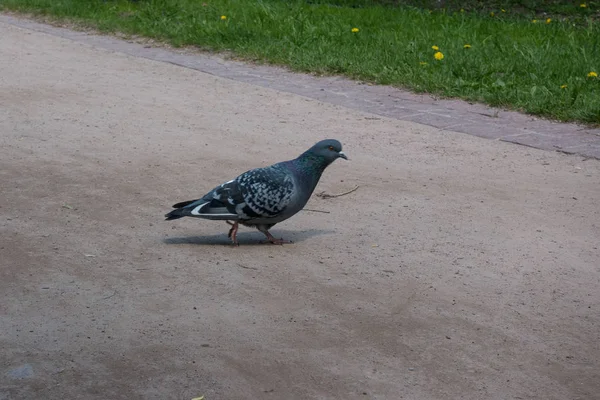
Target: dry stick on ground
324	195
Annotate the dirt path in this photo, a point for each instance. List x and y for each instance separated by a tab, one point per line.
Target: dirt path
461	268
386	101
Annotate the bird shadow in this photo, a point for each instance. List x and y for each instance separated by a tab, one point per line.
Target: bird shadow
247	238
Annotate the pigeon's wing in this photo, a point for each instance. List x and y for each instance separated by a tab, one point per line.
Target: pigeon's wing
256	194
265	192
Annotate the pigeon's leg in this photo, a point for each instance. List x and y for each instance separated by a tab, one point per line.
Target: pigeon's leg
272	239
233	232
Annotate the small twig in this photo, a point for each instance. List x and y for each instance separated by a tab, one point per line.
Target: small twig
324	195
321	211
108	297
245	267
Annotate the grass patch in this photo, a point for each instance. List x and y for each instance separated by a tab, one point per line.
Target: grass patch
575	9
505	59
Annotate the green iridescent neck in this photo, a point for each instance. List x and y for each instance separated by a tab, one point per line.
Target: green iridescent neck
310	162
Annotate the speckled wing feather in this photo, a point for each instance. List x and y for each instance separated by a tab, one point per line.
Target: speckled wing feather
258	193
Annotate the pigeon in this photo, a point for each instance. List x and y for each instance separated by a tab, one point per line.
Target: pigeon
263	197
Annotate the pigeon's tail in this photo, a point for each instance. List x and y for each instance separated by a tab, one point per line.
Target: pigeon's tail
201	209
180	210
183	204
173	215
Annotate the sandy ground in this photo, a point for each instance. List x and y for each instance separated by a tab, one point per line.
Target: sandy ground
462	268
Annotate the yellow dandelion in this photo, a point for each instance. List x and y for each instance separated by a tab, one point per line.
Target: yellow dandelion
354	30
223	17
492	14
435	48
503	10
438	56
583	5
535	21
549	20
423	63
592	74
467	46
563	86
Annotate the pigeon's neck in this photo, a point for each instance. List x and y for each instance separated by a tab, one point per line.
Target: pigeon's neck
312	162
309	169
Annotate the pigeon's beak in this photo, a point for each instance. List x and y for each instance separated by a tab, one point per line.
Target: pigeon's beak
341	154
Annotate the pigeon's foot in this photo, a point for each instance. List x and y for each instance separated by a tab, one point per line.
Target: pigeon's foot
233	232
274	240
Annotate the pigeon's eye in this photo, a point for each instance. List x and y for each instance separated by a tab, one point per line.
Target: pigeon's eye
331	148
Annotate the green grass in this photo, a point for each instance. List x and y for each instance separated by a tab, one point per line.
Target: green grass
528	8
512	62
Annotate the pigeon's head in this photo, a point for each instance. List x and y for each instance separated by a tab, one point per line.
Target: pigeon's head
329	150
